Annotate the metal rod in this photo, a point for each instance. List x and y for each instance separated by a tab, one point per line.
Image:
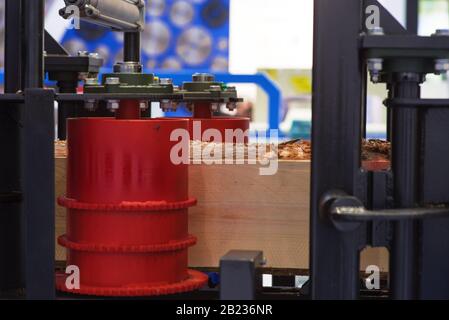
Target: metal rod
412	16
131	50
34	43
405	166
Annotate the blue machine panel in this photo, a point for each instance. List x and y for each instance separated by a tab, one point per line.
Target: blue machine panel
179	35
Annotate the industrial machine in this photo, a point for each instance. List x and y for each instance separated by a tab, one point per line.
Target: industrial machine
403	209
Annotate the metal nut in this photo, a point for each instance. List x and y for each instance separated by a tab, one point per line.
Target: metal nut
441	33
113	105
113	81
91	81
83	53
375	66
165	81
376	31
166	105
90	105
441	66
143	105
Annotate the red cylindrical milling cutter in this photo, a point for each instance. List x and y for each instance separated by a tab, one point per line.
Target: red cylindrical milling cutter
127	208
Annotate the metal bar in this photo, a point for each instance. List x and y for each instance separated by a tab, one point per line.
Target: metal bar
405	166
360	214
38	178
13	46
11	256
34	43
407	42
131	49
412	16
338	81
417	103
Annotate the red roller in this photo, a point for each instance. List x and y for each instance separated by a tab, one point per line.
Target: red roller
203	115
127	209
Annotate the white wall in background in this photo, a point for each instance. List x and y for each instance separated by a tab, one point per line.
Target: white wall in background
271	34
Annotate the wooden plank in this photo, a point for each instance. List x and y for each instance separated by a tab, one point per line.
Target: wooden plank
240	209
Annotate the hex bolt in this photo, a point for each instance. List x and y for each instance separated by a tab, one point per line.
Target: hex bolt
90	105
375	66
441	33
214	106
165	81
143	105
203	77
166	105
83	53
113	81
113	105
441	66
91	81
376	31
94	55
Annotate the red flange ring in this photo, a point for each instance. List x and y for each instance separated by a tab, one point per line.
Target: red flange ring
195	280
127	205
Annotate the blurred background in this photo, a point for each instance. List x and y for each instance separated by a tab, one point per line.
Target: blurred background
264	47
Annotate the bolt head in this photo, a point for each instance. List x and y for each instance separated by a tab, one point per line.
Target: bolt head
376	31
441	33
83	53
113	105
441	66
203	77
375	64
94	55
91	81
214	107
165	81
113	81
90	105
143	105
166	105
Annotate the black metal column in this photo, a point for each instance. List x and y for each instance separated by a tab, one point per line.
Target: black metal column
10	130
67	109
412	16
405	166
338	82
38	160
131	49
